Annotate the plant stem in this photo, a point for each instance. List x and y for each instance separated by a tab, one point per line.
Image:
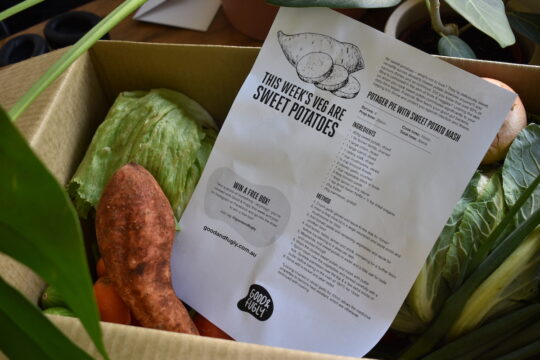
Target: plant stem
434	8
18	8
86	42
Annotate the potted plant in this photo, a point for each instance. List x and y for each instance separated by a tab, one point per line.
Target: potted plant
254	17
460	29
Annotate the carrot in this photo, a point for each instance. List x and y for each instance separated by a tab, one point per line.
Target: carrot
207	328
100	268
110	305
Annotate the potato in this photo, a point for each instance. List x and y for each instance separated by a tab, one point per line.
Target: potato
514	122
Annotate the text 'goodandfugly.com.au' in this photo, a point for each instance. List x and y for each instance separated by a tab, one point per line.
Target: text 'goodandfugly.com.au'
231	242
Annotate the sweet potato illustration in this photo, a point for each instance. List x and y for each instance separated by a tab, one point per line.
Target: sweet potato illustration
350	90
336	80
314	67
135	228
298	45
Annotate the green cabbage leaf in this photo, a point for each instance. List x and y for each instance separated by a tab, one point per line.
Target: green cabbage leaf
476	214
483	205
162	130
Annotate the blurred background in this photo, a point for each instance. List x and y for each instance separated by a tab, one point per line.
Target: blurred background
35	14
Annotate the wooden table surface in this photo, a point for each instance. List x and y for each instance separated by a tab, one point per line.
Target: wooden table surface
220	31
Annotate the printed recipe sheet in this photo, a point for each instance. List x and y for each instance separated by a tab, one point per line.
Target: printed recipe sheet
335	171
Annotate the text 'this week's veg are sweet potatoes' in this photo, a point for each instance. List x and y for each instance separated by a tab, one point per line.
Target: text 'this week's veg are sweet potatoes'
135	229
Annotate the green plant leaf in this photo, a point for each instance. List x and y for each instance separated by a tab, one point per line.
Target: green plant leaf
479	219
23	329
430	288
344	4
18	8
453	46
521	167
39	227
487	16
527	24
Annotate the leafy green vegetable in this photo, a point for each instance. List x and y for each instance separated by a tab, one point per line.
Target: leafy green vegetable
39	227
487	16
451	45
479	219
494	331
335	3
453	306
527	352
470	234
517	340
479	210
520	168
160	130
430	289
516	280
509	287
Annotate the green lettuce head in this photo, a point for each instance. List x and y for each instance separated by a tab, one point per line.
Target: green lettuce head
162	130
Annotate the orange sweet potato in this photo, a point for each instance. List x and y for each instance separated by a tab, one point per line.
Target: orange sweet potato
135	228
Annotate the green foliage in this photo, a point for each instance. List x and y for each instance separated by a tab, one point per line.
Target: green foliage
521	167
487	16
40	229
527	24
483	265
26	334
451	45
453	306
489	334
477	213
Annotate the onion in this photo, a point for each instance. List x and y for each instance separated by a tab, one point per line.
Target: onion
514	122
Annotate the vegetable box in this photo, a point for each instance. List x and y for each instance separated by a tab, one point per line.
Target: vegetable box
60	123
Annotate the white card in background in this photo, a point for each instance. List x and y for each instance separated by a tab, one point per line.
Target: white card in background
338	165
189	14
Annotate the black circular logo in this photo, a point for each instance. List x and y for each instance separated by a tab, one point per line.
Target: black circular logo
257	302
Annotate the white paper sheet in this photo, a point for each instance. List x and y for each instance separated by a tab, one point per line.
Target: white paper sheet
317	209
189	14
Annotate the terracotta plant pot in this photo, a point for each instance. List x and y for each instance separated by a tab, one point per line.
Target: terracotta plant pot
254	17
413	12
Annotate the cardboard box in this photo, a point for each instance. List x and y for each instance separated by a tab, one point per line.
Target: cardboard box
60	123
